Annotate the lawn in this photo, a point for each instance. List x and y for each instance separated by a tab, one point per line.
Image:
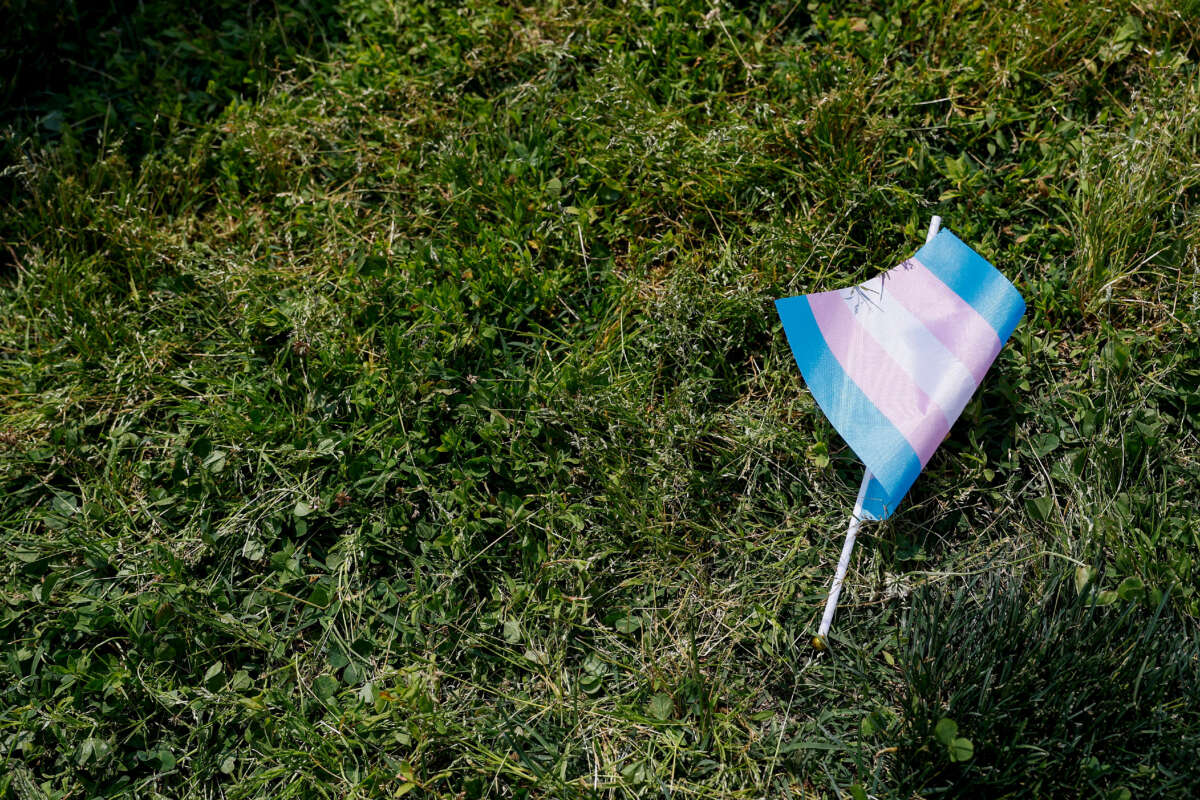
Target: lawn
392	401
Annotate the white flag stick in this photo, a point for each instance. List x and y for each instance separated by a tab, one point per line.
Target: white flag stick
839	577
934	225
843	564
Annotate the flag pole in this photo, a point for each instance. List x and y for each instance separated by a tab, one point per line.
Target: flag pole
843	564
839	576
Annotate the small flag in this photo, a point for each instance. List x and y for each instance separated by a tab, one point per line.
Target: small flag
893	361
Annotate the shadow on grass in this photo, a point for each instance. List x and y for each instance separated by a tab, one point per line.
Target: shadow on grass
140	70
1059	696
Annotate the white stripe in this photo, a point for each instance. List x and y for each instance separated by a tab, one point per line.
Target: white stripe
918	352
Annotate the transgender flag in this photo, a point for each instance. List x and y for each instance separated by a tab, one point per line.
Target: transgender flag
893	361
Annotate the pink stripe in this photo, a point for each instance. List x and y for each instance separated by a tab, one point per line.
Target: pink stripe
882	380
946	315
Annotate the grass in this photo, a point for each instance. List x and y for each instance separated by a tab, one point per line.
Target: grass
1017	668
391	401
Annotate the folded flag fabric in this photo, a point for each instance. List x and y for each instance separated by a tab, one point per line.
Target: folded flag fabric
893	361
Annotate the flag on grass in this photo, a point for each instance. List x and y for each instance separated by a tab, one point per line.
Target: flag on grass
893	361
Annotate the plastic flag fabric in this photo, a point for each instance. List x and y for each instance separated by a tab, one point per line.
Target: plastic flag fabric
893	361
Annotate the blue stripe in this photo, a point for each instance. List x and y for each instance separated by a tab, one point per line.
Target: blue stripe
870	434
974	280
878	502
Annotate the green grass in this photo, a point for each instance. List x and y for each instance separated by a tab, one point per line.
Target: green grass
391	401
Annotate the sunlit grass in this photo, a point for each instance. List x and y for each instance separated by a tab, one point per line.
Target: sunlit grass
391	402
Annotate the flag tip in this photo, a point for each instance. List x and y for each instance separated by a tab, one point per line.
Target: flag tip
818	643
